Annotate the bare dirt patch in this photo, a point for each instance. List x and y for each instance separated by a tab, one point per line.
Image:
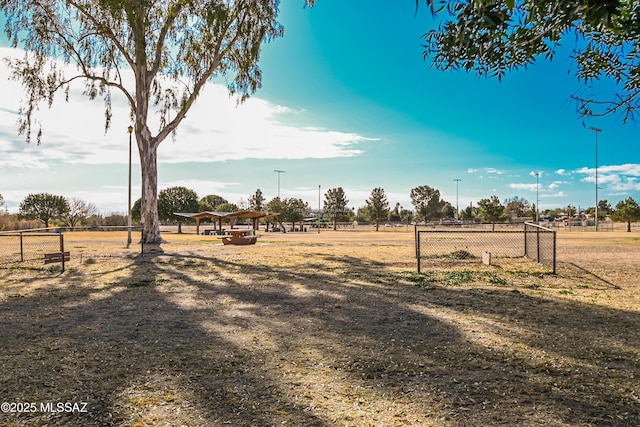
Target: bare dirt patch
322	329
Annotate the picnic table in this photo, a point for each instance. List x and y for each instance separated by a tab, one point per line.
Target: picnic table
239	237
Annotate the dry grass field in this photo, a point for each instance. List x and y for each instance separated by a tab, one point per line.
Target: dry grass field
307	329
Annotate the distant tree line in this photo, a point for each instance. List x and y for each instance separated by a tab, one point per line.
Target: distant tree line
44	209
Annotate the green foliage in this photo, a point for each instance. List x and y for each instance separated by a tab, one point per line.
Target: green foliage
210	203
518	208
604	209
43	206
491	210
447	210
469	213
256	201
169	42
455	277
291	210
493	38
427	202
626	211
406	215
335	205
279	206
377	206
362	214
226	207
176	199
136	209
169	48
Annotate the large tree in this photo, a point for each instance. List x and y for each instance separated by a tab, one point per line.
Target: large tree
211	202
378	206
427	202
78	211
170	48
335	204
492	38
628	211
491	210
43	206
279	206
517	207
176	199
297	210
256	201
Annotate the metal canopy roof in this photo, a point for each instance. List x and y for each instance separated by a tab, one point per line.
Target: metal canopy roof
223	215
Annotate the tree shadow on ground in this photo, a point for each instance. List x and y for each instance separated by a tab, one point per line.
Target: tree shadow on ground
198	340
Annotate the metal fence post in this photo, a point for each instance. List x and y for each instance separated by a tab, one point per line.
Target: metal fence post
554	252
21	249
62	249
418	248
538	244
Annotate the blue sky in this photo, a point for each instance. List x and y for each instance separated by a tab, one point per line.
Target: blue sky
347	100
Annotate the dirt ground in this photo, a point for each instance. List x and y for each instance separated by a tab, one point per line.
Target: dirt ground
308	329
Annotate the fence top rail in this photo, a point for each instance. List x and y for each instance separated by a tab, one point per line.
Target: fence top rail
54	230
28	230
531	224
472	231
471	225
30	234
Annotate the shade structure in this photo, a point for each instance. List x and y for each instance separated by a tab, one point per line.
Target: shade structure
219	216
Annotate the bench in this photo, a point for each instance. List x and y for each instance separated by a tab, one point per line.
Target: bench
57	257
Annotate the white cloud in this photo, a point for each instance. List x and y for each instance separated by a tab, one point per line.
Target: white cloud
556	184
486	170
562	172
216	129
528	187
619	179
558	194
630	184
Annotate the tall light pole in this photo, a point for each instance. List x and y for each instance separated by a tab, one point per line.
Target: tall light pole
457	180
130	129
537	175
596	131
278	172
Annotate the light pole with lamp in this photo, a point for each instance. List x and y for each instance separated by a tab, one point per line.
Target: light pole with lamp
457	180
130	129
596	131
278	172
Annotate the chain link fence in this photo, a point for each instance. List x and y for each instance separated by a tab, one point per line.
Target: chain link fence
540	245
470	244
28	247
35	248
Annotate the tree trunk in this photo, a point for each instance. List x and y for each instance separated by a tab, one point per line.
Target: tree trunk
149	207
629	226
